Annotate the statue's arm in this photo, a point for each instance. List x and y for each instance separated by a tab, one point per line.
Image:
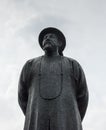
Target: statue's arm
23	88
82	90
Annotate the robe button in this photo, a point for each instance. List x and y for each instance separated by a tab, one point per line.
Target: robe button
39	74
61	74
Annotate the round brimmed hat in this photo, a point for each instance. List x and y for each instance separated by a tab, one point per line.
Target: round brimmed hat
58	33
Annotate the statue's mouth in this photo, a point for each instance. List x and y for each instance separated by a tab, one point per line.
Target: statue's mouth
47	42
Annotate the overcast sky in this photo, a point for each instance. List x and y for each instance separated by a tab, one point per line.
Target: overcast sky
83	23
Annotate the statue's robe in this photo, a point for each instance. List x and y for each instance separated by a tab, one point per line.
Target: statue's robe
53	93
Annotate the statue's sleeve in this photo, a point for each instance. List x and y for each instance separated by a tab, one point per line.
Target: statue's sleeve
82	89
23	87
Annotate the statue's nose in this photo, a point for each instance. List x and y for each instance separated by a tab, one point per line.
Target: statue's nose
47	38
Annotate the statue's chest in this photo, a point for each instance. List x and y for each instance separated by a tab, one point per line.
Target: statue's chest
51	75
50	82
49	67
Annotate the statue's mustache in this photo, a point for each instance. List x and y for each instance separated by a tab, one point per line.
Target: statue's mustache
48	42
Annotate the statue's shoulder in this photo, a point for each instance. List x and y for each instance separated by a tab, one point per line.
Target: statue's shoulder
74	63
76	67
71	60
32	61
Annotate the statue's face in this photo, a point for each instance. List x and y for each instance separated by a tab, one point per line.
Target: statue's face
50	42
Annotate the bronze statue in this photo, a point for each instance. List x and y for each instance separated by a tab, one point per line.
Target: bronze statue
52	91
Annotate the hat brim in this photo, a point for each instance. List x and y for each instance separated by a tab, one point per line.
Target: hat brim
54	31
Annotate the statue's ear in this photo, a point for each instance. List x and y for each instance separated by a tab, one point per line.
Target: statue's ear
60	43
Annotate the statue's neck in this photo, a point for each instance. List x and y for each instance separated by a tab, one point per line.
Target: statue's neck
51	53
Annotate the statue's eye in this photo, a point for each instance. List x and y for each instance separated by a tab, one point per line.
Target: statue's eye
52	36
45	37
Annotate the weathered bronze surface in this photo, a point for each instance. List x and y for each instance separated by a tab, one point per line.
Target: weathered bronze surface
52	91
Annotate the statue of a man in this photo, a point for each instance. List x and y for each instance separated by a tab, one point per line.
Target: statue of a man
52	91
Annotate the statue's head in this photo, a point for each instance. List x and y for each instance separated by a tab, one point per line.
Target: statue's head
52	39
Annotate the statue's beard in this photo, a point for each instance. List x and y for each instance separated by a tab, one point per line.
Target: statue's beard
48	46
